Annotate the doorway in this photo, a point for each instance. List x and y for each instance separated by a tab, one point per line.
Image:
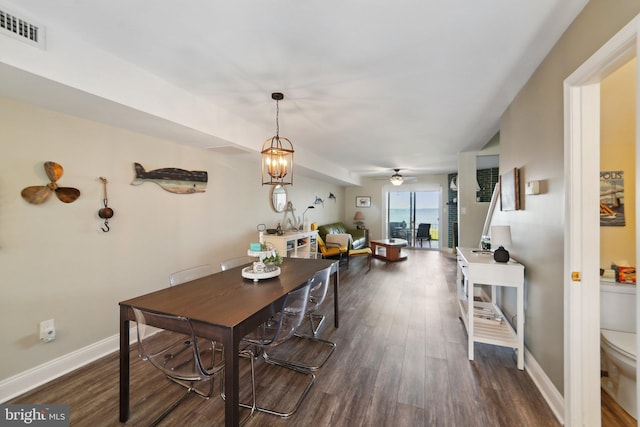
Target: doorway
582	243
406	210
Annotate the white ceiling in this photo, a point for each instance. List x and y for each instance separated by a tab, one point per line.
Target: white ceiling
369	85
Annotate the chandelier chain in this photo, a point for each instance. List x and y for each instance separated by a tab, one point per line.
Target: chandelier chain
277	121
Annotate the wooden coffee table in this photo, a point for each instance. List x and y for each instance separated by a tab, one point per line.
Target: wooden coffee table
392	249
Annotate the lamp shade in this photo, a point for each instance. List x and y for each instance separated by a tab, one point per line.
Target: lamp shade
500	235
359	216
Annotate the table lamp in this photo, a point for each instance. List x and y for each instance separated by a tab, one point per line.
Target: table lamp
358	219
501	237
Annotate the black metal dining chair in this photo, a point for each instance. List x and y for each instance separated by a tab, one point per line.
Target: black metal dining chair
424	233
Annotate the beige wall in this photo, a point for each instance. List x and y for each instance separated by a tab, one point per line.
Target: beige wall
617	153
532	132
57	263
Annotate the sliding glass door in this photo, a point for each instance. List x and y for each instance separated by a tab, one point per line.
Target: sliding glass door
406	210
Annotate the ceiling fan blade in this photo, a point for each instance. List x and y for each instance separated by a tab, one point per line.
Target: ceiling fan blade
67	194
36	194
54	170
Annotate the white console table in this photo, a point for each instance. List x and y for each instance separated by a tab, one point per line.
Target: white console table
294	243
483	319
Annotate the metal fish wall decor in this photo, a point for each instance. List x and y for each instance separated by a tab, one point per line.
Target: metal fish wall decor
173	180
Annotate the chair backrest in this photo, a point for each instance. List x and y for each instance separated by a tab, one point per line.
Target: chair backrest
293	310
318	286
188	274
290	317
176	354
230	263
424	230
321	245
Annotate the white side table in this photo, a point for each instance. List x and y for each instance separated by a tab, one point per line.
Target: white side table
484	320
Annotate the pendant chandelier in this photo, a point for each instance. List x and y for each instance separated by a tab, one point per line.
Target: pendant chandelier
277	154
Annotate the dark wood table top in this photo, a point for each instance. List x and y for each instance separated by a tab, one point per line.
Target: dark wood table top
226	298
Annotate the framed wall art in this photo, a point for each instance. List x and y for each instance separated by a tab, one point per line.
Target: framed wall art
510	191
612	198
363	202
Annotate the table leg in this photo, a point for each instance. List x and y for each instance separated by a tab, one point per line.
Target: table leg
393	253
520	326
336	280
231	380
124	365
470	319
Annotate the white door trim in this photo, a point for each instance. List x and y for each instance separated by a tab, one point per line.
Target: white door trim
582	241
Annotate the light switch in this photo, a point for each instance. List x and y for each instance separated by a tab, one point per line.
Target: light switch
532	187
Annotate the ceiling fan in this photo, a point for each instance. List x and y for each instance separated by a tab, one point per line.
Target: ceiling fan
397	178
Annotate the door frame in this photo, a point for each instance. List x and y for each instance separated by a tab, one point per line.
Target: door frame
581	244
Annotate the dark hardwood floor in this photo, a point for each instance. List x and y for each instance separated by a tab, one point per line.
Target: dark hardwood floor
401	360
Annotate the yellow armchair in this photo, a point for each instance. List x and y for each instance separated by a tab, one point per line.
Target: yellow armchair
328	250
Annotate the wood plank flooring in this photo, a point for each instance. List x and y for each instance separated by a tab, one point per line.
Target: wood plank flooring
401	360
613	415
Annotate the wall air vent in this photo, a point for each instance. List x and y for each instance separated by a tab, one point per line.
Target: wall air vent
22	29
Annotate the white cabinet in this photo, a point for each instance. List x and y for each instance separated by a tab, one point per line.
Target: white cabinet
483	319
298	244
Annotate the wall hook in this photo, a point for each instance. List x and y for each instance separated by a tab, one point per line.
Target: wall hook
105	212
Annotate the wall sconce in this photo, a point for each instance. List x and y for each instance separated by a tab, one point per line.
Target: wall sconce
277	154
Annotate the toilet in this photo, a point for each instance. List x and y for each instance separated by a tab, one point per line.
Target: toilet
618	343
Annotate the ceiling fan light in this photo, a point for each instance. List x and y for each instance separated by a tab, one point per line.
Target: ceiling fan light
396	178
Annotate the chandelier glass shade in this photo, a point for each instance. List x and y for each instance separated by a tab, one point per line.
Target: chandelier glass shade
277	155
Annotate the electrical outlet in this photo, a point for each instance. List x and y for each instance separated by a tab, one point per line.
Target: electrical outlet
47	330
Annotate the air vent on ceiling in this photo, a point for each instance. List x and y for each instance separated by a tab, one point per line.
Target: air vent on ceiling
21	29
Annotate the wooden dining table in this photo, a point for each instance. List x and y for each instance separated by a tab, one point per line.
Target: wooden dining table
224	306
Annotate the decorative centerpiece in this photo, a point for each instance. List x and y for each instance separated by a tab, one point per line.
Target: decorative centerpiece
267	265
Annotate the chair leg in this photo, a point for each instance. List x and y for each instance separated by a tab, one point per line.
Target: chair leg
246	354
312	379
171	408
316	327
307	367
314	337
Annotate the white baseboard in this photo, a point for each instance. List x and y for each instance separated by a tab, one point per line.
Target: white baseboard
34	377
550	393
